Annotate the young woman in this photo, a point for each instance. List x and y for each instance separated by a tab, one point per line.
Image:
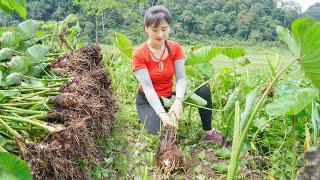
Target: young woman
154	64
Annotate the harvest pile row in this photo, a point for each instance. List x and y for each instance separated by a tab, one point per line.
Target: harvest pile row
86	109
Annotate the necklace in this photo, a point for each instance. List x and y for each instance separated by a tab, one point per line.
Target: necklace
160	60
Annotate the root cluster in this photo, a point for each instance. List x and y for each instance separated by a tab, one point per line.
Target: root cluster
169	157
86	108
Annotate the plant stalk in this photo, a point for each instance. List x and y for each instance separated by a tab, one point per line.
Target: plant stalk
294	149
10	130
52	128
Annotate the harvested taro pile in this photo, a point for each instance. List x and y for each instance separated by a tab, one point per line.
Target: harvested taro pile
169	157
86	108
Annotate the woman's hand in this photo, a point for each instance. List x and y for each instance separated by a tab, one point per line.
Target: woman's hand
166	120
177	108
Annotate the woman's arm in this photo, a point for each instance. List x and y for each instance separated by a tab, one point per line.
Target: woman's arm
144	80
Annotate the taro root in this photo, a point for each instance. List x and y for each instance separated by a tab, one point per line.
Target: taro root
169	157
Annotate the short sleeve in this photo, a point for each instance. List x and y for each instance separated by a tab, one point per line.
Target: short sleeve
138	61
178	52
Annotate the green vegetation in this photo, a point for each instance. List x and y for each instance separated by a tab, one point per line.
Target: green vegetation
265	92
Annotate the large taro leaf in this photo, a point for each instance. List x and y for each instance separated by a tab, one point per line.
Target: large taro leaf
10	93
285	36
13	78
28	29
292	104
37	53
193	72
13	168
36	70
19	64
9	39
5	53
305	33
205	54
202	55
123	44
233	52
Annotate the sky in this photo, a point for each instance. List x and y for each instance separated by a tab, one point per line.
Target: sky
306	3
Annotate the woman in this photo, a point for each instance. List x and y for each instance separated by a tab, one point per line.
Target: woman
154	64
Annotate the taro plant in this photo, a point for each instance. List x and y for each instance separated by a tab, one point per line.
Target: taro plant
304	43
291	105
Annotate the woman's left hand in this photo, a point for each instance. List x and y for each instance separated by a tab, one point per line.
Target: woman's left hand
177	108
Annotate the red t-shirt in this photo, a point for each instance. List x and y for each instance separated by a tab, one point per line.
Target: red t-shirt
162	80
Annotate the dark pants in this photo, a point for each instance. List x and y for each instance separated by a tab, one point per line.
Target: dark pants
151	120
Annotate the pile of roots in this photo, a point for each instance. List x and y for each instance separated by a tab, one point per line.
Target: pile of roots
169	157
86	108
311	165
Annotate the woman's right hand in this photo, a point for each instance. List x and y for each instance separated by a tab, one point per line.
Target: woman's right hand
166	120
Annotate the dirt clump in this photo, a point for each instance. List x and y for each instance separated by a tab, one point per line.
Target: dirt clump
169	157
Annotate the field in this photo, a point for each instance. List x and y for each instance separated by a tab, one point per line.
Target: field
68	108
271	159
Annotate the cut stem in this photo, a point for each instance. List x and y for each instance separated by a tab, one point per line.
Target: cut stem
10	130
52	128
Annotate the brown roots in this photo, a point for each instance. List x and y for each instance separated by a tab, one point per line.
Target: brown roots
169	157
86	108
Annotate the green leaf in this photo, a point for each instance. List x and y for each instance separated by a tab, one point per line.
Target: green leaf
307	33
2	96
202	155
202	55
5	7
24	45
28	29
13	78
12	167
231	101
123	43
37	53
36	70
206	70
19	64
306	46
9	39
223	152
220	167
10	93
245	114
193	72
284	35
291	104
233	52
5	53
20	7
259	122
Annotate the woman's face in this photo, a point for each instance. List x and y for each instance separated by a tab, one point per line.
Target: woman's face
159	34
